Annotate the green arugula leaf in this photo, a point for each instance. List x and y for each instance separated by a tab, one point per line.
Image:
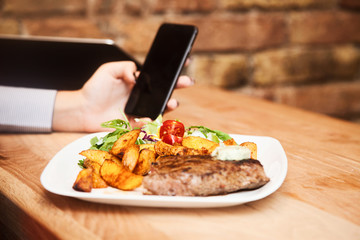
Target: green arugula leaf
105	143
81	163
209	133
94	141
117	124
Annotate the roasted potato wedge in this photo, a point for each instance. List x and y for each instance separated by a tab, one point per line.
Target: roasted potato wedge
230	142
178	150
126	140
199	143
98	181
147	146
93	165
253	148
84	181
119	177
131	157
99	156
164	149
146	157
181	150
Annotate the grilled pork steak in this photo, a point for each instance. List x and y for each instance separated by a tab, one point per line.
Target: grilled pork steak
202	176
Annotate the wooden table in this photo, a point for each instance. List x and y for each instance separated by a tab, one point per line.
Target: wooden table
320	198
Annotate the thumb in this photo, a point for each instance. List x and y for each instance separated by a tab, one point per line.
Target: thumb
123	70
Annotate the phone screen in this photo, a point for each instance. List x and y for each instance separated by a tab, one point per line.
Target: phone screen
160	70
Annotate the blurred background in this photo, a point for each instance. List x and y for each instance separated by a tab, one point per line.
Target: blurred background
304	53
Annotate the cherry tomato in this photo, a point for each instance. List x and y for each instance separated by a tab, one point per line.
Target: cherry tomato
171	139
172	127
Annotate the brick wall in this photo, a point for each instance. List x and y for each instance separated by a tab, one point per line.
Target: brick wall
304	53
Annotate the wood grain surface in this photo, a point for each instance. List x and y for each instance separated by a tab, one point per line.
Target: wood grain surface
318	200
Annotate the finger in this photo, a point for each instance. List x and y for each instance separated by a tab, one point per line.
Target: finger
137	73
138	123
184	81
187	62
172	105
123	70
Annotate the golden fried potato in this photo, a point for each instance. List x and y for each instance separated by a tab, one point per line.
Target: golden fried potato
147	146
83	180
99	156
230	142
181	150
98	181
131	157
119	177
164	149
146	157
199	143
126	140
93	165
253	148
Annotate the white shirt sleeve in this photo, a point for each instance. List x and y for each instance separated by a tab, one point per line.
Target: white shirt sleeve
26	109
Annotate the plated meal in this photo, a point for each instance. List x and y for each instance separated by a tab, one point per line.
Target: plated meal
167	159
62	169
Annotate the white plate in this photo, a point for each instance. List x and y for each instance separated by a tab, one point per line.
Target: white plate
60	173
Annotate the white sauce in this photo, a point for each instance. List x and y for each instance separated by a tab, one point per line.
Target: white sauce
232	152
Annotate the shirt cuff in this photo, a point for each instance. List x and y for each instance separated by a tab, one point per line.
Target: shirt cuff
26	109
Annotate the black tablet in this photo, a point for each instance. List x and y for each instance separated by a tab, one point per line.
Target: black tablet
54	63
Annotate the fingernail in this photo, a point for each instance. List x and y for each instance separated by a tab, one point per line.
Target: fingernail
192	80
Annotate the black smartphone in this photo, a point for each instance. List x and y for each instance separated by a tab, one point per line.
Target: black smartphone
161	69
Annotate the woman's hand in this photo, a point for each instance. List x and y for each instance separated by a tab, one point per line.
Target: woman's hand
102	98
